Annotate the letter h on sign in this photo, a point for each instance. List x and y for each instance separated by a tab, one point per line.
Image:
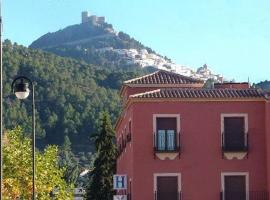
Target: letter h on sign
119	182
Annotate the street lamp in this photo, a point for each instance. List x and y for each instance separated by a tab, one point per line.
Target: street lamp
20	87
1	105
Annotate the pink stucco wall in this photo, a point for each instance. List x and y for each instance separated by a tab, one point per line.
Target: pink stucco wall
201	162
267	130
125	161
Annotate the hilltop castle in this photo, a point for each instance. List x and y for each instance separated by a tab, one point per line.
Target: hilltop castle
92	18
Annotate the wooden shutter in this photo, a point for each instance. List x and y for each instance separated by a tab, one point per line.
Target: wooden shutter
235	187
234	130
167	188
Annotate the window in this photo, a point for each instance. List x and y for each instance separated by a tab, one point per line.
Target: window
167	186
120	148
166	134
234	134
161	140
235	186
125	138
171	139
130	190
129	132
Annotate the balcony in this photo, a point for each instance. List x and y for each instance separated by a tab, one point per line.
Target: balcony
167	150
251	195
235	148
157	196
241	146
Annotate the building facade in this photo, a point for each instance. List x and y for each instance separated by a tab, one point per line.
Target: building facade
179	141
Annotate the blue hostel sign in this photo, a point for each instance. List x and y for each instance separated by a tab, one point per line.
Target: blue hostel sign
120	182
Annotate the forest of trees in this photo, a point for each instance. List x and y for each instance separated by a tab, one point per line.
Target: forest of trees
83	41
90	36
70	96
264	85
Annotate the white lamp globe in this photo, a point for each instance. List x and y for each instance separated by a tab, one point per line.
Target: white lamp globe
21	90
23	95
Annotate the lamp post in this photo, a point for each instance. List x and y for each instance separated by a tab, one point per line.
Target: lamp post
1	106
20	87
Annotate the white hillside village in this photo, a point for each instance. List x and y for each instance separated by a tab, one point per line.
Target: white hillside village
144	59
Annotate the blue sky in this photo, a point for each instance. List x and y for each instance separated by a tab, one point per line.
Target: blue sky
231	36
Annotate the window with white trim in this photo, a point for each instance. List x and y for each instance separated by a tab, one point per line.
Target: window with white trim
235	186
166	133
234	133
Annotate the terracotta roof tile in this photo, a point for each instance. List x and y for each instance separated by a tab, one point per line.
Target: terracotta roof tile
201	93
164	77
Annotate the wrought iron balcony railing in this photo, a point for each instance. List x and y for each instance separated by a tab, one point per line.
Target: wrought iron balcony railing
251	195
243	146
157	197
176	147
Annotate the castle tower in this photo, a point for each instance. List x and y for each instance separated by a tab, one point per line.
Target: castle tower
101	20
85	16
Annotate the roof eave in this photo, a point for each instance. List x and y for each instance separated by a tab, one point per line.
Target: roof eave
141	99
188	85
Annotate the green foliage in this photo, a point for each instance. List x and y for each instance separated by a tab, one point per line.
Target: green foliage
68	161
70	34
85	41
101	178
209	84
18	170
70	95
264	85
88	35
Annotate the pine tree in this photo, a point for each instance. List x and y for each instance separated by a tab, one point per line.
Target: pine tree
101	178
68	161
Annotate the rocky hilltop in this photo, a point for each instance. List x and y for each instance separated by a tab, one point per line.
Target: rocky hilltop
96	42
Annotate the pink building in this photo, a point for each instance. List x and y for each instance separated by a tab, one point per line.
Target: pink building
179	141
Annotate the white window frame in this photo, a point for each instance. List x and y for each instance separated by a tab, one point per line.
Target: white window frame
224	115
178	175
246	174
177	116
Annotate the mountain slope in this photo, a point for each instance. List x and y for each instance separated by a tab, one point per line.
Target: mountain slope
70	95
264	85
99	44
90	35
86	41
73	33
94	43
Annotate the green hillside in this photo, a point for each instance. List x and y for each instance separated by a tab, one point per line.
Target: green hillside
264	85
70	95
86	41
